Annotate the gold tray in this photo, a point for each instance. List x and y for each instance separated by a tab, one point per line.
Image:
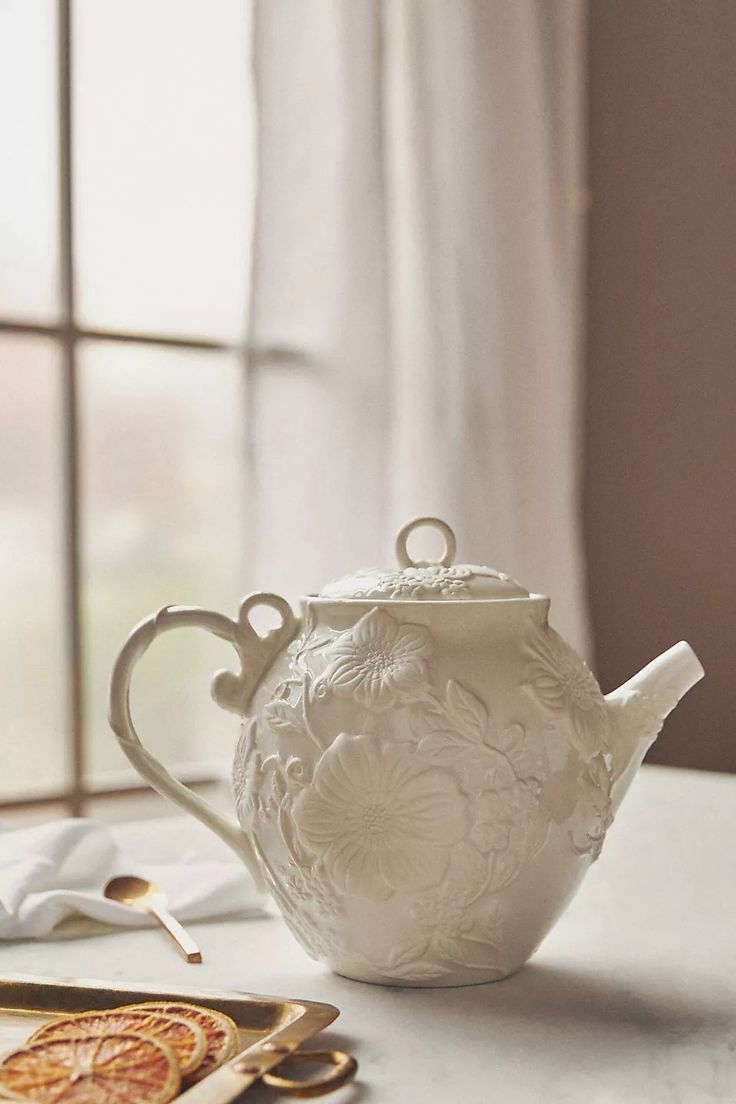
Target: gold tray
271	1030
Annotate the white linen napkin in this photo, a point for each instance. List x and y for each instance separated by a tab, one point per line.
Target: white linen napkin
56	870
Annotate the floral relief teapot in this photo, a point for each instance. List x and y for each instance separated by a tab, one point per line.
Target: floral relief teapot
425	770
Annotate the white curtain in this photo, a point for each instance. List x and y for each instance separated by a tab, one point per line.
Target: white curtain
416	296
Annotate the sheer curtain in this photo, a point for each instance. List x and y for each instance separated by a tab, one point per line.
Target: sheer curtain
416	294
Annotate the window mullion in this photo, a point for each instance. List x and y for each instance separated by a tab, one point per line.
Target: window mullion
70	423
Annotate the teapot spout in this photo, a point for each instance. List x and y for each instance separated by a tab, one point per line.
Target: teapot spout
638	709
666	679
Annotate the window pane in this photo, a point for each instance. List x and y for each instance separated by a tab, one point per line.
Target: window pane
25	816
164	486
28	161
32	665
162	159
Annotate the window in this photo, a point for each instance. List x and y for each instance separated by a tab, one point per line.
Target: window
126	181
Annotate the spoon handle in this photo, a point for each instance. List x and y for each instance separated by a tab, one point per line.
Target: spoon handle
177	933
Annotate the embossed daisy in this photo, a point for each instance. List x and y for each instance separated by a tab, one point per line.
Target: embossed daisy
377	661
563	683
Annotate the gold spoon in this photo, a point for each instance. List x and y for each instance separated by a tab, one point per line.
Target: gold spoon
147	897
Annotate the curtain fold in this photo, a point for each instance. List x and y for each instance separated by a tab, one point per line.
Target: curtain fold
416	295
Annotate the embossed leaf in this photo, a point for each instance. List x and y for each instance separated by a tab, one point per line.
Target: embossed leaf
538	831
506	865
449	947
428	716
278	786
285	688
286	828
466	712
528	760
309	622
282	717
509	740
406	955
438	742
315	641
470	870
487	930
419	971
472	951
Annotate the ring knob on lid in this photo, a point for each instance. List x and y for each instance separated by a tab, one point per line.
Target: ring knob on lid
402	552
426	580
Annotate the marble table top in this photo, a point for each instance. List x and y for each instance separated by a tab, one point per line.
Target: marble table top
632	998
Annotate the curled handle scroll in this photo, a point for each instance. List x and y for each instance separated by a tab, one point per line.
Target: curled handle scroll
231	690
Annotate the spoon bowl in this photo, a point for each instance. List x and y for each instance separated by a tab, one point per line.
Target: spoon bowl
147	897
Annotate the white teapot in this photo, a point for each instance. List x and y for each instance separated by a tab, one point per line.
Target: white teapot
426	770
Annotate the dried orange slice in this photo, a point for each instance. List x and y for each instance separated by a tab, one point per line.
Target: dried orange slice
221	1032
108	1069
187	1040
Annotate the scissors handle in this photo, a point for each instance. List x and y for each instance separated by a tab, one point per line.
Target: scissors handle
344	1067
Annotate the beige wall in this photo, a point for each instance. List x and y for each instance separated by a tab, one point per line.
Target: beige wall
660	492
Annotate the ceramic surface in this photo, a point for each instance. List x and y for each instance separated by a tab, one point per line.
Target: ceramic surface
423	775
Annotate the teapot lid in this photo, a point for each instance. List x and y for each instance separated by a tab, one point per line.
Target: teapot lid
426	580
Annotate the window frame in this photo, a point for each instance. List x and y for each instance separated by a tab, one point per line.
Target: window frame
67	334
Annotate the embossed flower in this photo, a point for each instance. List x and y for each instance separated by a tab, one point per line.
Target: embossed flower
493	820
379	818
247	776
563	683
455	932
499	812
421	582
446	924
594	814
440	911
378	660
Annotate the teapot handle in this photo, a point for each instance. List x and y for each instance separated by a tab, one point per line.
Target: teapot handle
232	691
